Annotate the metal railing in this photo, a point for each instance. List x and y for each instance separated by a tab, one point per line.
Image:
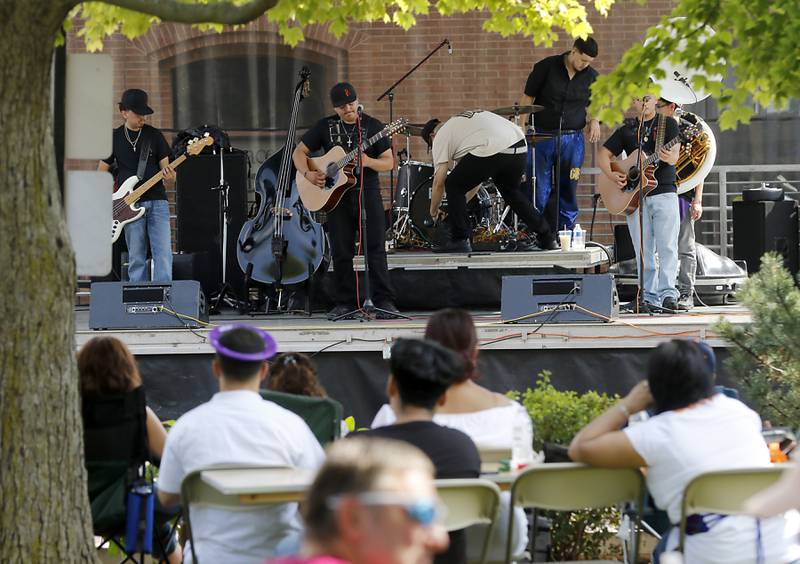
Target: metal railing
722	186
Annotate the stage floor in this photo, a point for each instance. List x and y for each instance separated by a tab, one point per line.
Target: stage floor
316	334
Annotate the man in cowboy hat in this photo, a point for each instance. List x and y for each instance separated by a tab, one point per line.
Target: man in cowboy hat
136	142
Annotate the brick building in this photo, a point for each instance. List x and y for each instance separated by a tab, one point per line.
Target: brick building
242	79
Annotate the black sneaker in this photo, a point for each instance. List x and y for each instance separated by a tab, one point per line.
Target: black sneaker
548	242
453	246
669	305
339	311
685	302
643	308
385	310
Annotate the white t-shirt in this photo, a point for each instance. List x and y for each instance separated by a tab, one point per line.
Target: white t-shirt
490	429
239	427
719	434
477	132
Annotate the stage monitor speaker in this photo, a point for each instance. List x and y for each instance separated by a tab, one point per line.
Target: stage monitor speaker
558	298
147	305
760	227
198	211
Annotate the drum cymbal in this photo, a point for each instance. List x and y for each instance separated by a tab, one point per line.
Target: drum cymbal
518	110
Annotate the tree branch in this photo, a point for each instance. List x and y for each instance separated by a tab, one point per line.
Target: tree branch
223	12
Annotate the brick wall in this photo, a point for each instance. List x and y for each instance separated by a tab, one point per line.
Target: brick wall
484	71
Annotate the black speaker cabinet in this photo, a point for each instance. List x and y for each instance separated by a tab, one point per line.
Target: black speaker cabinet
199	211
760	227
147	305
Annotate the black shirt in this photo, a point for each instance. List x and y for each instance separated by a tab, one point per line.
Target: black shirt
331	131
550	86
453	454
128	161
624	139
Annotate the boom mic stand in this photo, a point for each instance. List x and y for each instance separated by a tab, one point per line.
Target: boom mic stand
390	94
368	308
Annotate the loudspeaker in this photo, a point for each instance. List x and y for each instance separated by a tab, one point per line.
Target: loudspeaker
199	216
147	305
558	298
759	227
623	244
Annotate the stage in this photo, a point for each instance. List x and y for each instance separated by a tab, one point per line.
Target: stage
350	354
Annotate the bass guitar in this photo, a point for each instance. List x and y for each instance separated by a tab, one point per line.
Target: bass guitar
338	167
625	200
126	196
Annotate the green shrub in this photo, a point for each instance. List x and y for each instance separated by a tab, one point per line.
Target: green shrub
557	417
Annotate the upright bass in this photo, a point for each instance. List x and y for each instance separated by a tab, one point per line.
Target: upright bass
281	244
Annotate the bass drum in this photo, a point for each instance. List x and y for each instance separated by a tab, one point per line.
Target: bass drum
410	174
478	211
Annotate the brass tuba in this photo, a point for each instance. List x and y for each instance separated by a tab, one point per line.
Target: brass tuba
697	155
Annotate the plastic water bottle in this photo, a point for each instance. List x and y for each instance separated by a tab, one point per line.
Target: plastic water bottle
521	441
578	238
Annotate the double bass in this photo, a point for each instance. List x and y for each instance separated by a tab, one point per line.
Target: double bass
281	244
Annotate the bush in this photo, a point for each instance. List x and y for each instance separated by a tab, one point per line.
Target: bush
557	417
765	357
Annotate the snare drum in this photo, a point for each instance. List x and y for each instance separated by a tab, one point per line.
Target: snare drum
410	175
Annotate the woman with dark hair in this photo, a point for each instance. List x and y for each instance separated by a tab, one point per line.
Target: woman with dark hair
695	430
294	373
486	416
106	368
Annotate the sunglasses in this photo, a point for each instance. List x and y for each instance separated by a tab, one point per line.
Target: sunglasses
422	511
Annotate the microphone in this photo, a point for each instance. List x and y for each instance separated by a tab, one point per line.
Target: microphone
449	47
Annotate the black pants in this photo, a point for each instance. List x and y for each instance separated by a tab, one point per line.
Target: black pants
506	171
343	226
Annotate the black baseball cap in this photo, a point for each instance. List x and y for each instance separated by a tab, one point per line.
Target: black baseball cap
343	93
135	100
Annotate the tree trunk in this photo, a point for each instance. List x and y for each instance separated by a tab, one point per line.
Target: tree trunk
45	513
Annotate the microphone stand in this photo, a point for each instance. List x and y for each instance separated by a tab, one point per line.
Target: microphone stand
390	94
224	219
368	309
639	163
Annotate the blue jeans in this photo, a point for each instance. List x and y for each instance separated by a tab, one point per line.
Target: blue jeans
153	225
571	161
661	224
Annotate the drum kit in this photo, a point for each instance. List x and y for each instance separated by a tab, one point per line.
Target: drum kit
489	217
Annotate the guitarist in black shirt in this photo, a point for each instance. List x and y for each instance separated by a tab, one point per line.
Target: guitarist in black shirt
344	220
660	220
131	141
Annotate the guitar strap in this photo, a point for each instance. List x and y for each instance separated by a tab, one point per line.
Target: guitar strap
143	156
662	126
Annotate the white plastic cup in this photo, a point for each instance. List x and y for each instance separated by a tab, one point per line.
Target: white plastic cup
565	239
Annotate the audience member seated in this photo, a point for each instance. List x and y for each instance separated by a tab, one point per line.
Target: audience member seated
487	417
237	427
421	372
694	431
107	370
294	373
373	501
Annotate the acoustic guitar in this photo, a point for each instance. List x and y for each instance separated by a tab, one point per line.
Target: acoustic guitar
625	200
338	167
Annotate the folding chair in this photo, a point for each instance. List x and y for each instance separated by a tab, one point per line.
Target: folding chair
724	492
238	494
470	501
322	415
567	486
115	452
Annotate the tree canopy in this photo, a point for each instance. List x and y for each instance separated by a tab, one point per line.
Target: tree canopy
754	40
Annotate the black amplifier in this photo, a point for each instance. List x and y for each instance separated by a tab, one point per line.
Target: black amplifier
147	305
559	298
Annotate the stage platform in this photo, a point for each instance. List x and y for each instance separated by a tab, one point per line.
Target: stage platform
351	355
